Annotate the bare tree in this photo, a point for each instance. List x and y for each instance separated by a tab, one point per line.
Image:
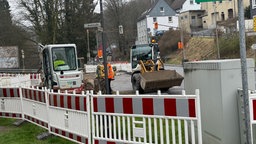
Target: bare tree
60	21
123	13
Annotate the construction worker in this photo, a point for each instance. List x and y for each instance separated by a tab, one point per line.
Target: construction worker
58	61
111	76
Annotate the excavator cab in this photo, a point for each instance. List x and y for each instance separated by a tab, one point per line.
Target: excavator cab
60	68
148	72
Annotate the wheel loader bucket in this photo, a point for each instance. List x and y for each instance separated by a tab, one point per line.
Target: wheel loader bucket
162	79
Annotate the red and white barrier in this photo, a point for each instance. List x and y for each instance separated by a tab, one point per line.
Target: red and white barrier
23	80
115	113
69	116
35	106
102	119
10	103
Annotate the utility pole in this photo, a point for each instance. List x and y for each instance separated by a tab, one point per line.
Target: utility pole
244	70
88	46
216	30
104	50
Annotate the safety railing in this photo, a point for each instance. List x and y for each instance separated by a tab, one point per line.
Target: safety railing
95	118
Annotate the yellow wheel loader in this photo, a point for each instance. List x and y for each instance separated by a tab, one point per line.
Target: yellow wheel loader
148	73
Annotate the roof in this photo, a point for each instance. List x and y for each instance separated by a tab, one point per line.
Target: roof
177	4
145	13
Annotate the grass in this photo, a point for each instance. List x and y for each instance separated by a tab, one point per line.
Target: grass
25	134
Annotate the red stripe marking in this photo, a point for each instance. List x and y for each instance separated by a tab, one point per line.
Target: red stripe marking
25	93
35	76
69	102
63	133
5	92
86	141
95	104
148	106
127	106
30	76
50	101
77	103
70	135
110	142
11	92
13	115
170	107
1	114
40	96
79	139
109	105
56	131
254	109
192	107
30	94
62	101
7	114
34	95
85	106
96	141
55	100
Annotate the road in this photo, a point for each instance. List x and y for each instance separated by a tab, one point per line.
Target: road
122	82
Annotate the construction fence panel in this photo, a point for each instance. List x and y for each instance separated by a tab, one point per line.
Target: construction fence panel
69	116
35	106
100	119
22	80
252	108
146	119
10	102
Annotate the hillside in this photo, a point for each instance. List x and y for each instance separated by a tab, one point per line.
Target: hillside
201	48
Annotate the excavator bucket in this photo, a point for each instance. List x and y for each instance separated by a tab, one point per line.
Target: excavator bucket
158	80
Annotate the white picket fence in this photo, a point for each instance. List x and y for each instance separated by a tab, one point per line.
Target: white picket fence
109	118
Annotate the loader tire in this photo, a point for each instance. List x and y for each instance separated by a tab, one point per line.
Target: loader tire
136	83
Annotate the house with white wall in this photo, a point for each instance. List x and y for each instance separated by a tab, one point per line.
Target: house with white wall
161	13
190	14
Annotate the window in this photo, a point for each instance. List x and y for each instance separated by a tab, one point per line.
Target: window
161	9
253	4
154	19
170	19
191	1
193	17
186	17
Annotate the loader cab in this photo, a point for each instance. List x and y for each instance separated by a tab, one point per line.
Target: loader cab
143	52
60	67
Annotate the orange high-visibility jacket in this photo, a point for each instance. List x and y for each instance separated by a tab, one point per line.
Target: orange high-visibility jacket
111	73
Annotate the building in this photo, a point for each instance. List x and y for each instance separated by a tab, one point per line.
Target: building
220	11
190	14
160	13
253	8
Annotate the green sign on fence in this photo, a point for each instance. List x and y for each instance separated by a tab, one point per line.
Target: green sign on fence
198	1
